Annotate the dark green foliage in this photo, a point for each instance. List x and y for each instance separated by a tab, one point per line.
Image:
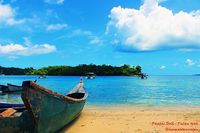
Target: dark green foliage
104	70
14	71
138	69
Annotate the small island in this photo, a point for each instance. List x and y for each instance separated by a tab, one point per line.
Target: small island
80	70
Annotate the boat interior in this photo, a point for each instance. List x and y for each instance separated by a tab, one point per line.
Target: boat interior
76	95
11	112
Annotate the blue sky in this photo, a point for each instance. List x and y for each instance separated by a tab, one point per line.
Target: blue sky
162	36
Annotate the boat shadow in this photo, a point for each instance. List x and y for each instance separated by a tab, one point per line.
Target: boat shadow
66	127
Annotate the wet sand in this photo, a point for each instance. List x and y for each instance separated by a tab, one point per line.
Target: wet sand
136	119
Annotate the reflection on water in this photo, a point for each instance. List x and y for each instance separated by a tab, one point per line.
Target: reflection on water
156	90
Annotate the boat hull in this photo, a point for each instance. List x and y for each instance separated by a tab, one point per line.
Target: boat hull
14	88
90	77
50	111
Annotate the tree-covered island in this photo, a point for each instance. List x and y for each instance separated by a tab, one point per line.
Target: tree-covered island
80	70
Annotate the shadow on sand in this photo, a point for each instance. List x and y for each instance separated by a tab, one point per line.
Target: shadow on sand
66	127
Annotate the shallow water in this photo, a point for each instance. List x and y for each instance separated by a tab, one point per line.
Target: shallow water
156	90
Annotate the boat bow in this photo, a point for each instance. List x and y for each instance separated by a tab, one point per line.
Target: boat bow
50	110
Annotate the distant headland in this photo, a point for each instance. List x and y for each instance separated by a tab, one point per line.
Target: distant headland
196	74
80	70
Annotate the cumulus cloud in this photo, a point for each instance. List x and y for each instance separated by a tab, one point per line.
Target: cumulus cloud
7	15
19	49
57	26
54	1
154	27
162	67
190	62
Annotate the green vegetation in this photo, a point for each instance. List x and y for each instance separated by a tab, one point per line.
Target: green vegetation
14	71
104	70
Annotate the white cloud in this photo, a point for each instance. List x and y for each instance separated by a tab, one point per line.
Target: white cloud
7	15
18	49
190	62
54	1
79	32
13	21
12	58
95	40
153	27
162	67
57	26
5	12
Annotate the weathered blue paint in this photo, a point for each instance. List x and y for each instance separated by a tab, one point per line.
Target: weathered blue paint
50	111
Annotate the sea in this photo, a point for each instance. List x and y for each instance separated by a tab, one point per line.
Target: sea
117	90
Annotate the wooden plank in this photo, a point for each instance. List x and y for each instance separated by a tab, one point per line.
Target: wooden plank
8	112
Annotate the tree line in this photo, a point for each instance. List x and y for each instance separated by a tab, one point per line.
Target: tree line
14	70
80	70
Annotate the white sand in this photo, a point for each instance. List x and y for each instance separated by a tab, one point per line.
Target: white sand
136	119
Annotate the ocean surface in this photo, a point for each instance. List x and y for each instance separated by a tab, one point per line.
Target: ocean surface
105	90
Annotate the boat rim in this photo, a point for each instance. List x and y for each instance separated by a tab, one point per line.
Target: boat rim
13	85
30	84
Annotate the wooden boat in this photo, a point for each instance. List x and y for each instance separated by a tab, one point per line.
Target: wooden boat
13	88
3	87
46	111
42	76
59	110
90	75
142	75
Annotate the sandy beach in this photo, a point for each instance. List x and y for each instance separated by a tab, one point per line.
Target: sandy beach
136	119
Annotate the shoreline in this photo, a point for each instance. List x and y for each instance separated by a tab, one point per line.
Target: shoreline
135	119
139	107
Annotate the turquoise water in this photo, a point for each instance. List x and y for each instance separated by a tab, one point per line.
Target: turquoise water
156	90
